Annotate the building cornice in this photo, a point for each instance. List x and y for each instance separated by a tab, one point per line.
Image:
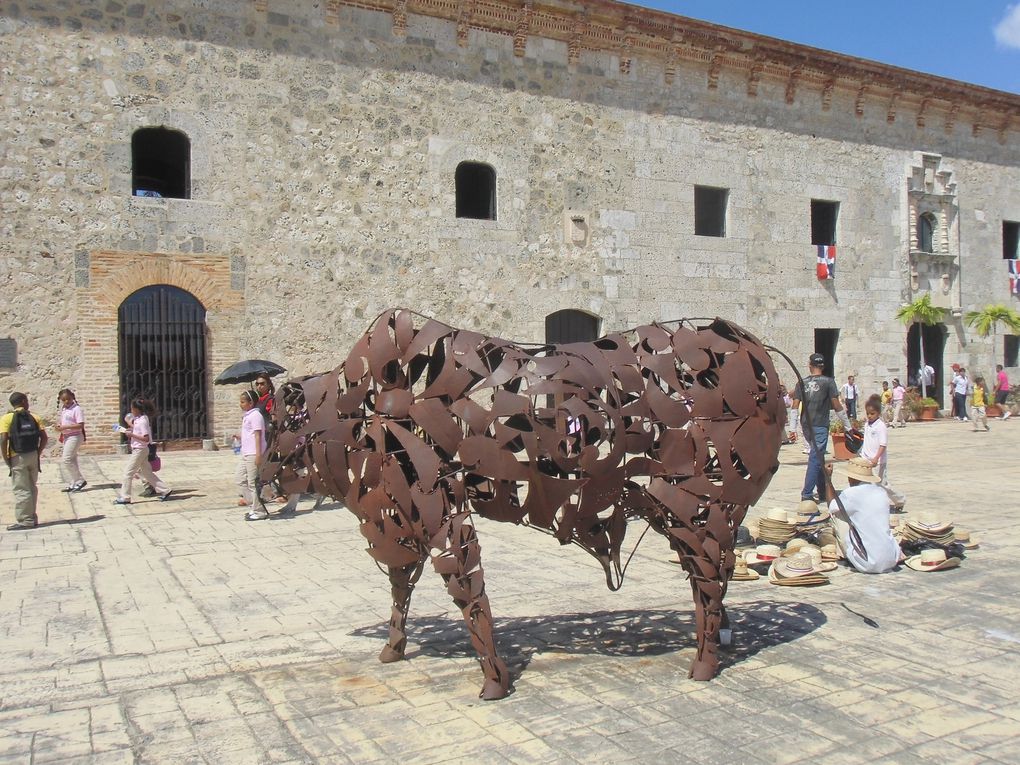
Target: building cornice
630	32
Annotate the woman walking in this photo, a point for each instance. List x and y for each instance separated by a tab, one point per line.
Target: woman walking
71	427
140	436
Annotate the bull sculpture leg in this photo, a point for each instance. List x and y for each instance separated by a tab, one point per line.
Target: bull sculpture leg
708	562
402	579
460	566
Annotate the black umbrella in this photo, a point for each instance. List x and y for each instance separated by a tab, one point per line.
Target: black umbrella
246	371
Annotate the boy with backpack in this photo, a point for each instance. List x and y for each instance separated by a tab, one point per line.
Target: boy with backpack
22	440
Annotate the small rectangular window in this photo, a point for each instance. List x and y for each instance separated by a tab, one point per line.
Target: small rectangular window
8	353
823	221
1010	239
710	211
1011	347
825	344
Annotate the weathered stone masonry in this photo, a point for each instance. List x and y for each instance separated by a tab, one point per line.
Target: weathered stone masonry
324	139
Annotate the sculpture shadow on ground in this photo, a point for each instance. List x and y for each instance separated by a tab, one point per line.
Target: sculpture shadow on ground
71	521
756	626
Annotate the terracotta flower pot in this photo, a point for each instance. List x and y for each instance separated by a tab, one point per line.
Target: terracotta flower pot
928	412
839	449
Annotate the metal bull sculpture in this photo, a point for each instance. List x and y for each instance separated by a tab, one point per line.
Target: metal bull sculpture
423	424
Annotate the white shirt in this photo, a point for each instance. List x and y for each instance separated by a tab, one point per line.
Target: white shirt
876	434
928	374
850	391
867	506
960	384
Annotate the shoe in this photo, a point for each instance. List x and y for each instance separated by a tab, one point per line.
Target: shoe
79	485
256	515
987	429
1007	415
165	497
20	527
121	501
68	488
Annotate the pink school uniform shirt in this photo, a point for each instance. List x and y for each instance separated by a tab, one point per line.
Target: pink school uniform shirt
897	393
139	429
1002	381
72	420
253	427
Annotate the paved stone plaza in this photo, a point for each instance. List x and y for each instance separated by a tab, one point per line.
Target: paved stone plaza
177	633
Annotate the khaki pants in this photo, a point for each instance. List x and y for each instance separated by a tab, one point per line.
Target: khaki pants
25	478
69	459
138	463
246	475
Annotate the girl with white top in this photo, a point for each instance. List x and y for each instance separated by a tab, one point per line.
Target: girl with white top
71	427
253	444
140	436
876	448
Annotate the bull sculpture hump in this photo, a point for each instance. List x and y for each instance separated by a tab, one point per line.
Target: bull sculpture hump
423	424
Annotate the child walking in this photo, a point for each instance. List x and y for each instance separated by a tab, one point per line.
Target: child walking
876	448
253	444
978	405
139	436
71	427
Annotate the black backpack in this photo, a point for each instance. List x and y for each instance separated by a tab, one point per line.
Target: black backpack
24	434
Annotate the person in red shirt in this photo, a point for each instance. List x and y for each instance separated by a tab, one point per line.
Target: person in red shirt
1001	391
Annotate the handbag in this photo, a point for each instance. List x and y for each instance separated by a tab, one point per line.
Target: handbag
154	461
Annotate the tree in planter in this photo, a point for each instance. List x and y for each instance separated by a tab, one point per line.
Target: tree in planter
921	311
987	321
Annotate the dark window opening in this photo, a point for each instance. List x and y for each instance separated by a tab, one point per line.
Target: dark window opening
1010	239
8	353
926	232
1011	349
823	221
710	211
570	326
476	191
825	344
160	163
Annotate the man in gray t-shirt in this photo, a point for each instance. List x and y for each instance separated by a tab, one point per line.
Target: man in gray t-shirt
819	396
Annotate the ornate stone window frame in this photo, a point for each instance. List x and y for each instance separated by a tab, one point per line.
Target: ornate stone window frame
931	193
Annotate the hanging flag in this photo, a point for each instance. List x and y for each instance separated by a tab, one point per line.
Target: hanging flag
1014	277
826	268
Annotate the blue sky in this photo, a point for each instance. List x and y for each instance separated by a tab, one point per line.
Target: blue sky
977	41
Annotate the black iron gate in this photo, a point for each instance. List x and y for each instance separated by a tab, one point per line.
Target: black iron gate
161	346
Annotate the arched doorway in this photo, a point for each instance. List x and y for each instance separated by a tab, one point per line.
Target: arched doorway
934	345
162	356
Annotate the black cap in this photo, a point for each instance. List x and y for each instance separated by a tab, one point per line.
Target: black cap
816	360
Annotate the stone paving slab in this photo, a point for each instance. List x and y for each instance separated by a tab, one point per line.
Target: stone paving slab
175	632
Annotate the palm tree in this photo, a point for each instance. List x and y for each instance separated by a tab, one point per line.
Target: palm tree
921	311
986	322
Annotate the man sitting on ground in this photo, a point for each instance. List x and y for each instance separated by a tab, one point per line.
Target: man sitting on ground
862	526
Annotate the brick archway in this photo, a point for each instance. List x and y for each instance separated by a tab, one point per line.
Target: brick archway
113	276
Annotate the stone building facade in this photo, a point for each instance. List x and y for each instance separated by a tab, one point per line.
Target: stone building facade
643	166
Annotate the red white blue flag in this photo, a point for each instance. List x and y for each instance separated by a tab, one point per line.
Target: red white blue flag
1014	277
826	268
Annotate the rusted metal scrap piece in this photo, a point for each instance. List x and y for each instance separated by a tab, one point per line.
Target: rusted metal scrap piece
423	424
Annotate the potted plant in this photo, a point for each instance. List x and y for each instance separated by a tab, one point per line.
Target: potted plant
929	408
840	451
912	404
922	312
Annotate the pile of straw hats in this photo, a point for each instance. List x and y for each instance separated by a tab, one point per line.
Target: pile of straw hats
741	572
933	559
775	527
927	527
797	570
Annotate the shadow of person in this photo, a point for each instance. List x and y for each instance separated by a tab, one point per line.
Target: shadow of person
755	626
71	521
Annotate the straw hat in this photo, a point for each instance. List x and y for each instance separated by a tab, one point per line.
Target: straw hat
762	554
932	560
858	469
817	559
963	537
793	545
741	573
929	523
777	514
830	552
807	507
796	571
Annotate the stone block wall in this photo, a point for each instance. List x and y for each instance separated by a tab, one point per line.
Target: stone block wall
324	141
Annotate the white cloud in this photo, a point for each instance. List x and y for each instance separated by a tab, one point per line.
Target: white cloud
1007	31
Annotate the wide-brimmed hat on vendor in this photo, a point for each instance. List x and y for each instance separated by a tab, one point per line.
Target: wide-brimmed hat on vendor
858	469
932	560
